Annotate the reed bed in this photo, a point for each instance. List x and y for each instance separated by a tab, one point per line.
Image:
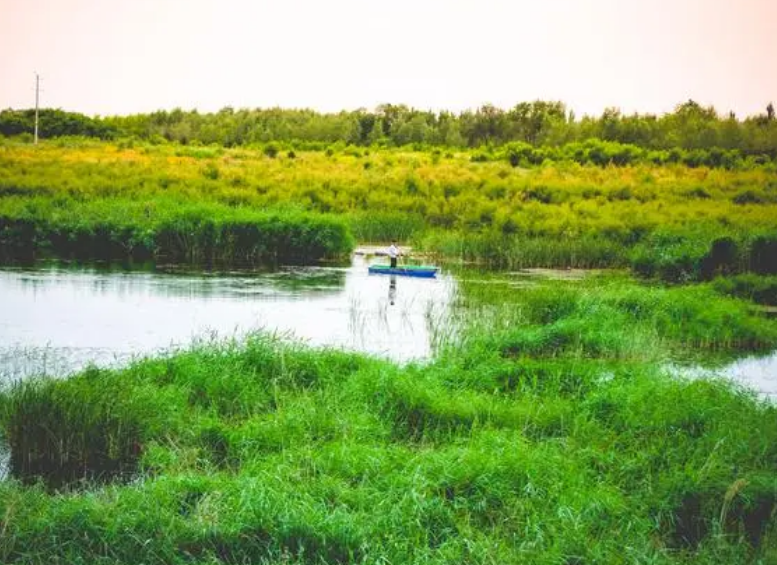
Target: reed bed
195	234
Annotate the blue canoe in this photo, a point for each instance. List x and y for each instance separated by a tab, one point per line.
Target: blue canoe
404	270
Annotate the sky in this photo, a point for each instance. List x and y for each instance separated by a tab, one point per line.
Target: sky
117	57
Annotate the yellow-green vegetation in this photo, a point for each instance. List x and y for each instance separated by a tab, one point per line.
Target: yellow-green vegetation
664	220
120	208
547	433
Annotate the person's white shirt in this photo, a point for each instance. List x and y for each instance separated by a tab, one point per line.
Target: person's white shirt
393	251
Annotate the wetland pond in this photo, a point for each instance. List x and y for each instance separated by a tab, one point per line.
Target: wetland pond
55	320
58	319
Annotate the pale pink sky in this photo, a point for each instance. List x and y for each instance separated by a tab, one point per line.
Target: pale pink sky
121	57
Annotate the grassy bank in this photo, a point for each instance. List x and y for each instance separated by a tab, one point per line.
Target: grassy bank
664	220
546	433
167	230
608	316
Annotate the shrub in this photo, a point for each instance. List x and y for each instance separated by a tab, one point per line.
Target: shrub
763	255
271	150
723	258
748	197
211	172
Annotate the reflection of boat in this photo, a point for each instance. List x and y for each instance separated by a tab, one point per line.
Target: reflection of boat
406	270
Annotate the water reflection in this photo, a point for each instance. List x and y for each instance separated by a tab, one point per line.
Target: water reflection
56	319
181	284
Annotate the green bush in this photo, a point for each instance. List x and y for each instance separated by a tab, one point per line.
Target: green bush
271	150
763	255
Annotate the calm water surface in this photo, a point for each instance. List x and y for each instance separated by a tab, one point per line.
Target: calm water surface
758	373
56	320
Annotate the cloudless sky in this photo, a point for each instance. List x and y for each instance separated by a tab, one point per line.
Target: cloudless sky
129	56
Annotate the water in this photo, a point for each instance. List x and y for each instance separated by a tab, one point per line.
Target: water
758	373
55	320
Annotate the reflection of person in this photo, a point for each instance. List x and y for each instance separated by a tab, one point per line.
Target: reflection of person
392	289
393	253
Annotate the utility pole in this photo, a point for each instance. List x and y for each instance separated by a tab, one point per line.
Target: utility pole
37	98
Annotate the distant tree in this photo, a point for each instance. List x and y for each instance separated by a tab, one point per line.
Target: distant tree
366	124
682	135
692	126
532	122
450	131
54	123
730	133
390	114
610	124
487	125
415	129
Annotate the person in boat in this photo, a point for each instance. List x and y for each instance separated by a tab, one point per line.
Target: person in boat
393	253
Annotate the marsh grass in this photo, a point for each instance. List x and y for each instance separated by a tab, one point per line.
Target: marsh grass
545	432
202	204
200	234
499	251
760	289
588	317
81	432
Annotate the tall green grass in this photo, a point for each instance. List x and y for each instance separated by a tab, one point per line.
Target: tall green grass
385	226
92	429
548	434
759	289
674	256
497	251
703	255
607	316
169	231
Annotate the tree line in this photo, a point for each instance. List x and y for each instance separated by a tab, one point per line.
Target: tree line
690	126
